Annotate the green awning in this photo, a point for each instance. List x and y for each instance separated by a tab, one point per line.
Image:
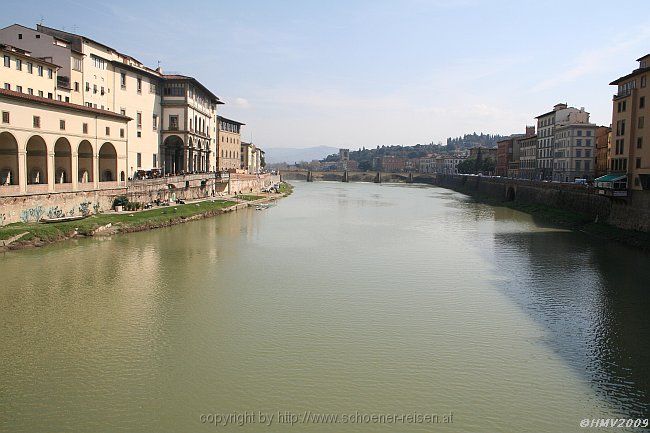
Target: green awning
610	178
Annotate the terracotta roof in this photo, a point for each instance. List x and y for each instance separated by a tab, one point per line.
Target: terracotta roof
230	120
195	81
61	104
25	54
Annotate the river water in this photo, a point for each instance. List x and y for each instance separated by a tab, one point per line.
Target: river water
344	299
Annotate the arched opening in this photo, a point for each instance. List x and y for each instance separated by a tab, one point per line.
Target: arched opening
36	161
62	161
107	163
510	193
173	155
8	159
85	159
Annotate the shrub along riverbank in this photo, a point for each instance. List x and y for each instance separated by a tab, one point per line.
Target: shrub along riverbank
37	234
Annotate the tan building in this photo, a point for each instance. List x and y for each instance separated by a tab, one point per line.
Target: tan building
574	151
23	73
630	147
174	127
528	157
51	146
603	140
229	144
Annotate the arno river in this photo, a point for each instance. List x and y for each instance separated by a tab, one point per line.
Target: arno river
341	299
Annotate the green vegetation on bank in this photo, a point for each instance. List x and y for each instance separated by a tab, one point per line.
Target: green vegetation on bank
249	197
122	221
286	189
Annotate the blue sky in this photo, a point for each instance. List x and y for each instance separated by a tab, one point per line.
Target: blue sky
367	73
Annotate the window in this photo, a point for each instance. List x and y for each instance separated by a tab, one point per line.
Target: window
36	121
85	128
620	127
108	130
642	102
138	119
40	93
579	133
59	97
639	142
155	160
138	134
5	117
578	153
76	86
638	163
76	64
39	68
20	35
152	89
139	85
49	73
67	99
19	89
123	79
155	124
173	123
30	90
19	65
49	95
174	89
138	158
94	88
7	86
62	125
87	86
641	122
121	132
643	81
98	62
30	67
588	153
7	61
101	91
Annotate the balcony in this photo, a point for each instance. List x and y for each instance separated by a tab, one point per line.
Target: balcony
622	94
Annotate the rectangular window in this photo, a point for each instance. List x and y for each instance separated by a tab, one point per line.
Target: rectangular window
155	123
642	102
59	97
101	91
643	81
5	117
7	86
139	85
638	163
67	99
123	80
40	93
62	125
94	88
7	61
121	132
639	142
49	95
19	65
155	160
152	88
641	122
173	123
30	67
108	130
98	62
85	128
19	89
30	90
49	73
76	86
39	68
76	64
36	122
139	159
138	119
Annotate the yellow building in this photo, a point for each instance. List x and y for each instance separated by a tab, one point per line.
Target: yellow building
630	143
229	144
48	145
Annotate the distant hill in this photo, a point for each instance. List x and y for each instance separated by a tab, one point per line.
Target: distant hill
290	155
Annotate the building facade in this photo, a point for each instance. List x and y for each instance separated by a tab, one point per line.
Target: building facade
229	139
528	157
574	152
630	143
603	140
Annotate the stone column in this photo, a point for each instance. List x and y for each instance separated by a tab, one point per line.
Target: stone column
51	166
22	171
75	170
95	170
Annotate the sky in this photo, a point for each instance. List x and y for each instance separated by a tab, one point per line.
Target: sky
366	73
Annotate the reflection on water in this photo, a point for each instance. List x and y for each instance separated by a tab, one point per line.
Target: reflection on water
343	298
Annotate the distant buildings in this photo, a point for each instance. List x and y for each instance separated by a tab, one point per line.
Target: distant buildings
603	141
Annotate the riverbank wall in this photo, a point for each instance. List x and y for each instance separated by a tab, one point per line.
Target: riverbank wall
33	207
629	213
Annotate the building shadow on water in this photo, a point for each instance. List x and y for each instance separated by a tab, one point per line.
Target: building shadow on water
593	298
